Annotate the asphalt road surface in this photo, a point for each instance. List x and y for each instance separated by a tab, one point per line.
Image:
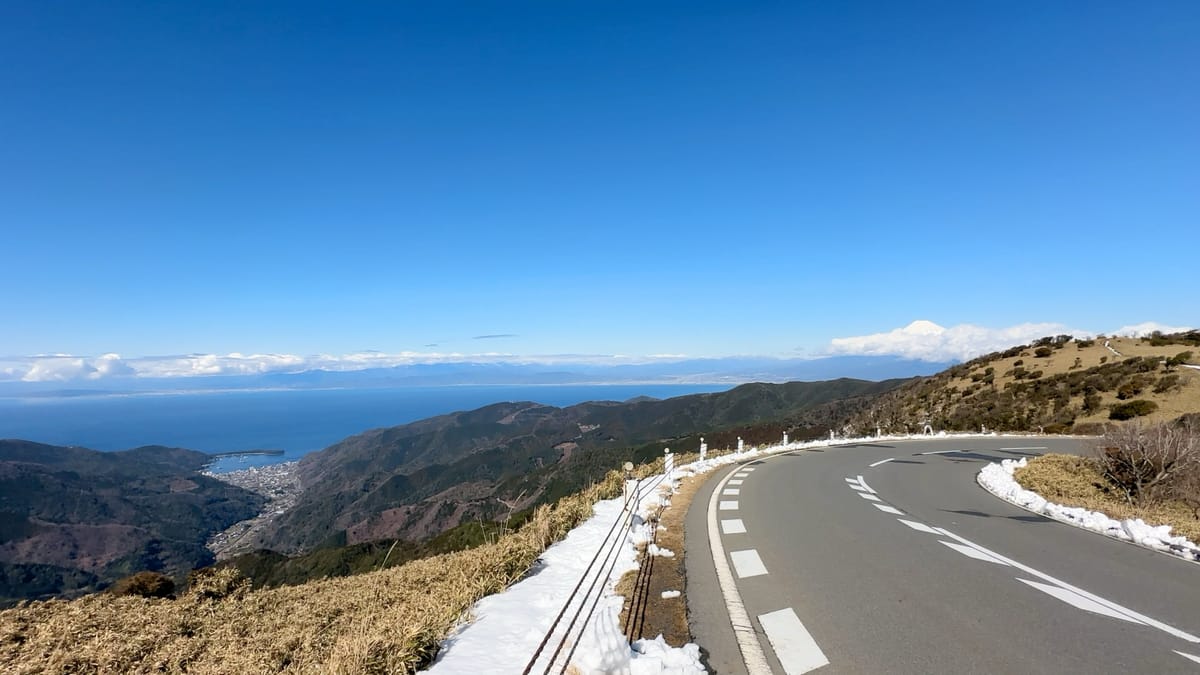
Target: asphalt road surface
837	561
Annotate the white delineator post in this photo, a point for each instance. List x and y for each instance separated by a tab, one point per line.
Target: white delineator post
831	434
785	438
703	449
741	445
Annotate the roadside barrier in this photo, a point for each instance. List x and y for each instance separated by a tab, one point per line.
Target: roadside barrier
575	604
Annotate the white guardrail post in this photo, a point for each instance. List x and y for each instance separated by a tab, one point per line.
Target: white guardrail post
668	463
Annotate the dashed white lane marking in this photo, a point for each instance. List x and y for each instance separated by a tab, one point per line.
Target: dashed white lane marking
919	527
1187	656
736	482
1171	630
868	495
864	484
733	526
797	650
742	475
888	509
729	506
747	563
882	461
731	492
747	468
938	452
1077	600
1037	447
969	552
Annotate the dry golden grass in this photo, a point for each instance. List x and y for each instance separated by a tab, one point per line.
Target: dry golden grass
1172	404
390	621
1077	481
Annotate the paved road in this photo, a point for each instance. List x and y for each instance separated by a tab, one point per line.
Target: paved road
829	570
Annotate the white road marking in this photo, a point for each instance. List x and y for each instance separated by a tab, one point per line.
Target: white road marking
919	527
747	563
742	475
797	650
736	482
1062	584
938	452
858	487
733	492
729	506
733	526
1078	601
747	468
1039	447
969	552
739	619
864	484
882	461
868	495
1187	656
888	509
851	480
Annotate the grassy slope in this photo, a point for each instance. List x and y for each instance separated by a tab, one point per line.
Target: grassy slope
1076	481
961	398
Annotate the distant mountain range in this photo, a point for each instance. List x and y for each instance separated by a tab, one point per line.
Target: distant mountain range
731	370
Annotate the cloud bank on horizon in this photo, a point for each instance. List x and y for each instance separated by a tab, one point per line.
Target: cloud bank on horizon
921	340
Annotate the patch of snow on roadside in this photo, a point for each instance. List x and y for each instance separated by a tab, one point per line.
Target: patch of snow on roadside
998	479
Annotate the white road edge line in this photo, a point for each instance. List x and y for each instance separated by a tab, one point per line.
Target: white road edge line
1062	584
882	461
1039	447
864	484
970	552
798	652
939	452
743	630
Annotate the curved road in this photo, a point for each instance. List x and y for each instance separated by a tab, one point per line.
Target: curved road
913	568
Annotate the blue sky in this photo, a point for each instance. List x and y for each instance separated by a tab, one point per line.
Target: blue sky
589	178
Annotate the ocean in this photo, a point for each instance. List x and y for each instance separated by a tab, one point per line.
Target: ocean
296	421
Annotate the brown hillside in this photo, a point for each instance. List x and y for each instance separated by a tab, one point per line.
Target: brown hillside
1056	385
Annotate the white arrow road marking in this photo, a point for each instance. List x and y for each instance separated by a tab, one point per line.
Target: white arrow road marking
852	481
970	552
1077	600
1136	617
868	495
888	509
797	650
747	563
858	487
1187	656
919	527
733	526
864	484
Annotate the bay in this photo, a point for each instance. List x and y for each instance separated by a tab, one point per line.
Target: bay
296	421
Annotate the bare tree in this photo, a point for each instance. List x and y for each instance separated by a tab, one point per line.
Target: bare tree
1151	463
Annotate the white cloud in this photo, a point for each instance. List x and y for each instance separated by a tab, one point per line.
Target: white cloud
1148	327
67	367
927	341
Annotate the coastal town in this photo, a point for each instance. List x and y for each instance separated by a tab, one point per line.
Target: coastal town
279	483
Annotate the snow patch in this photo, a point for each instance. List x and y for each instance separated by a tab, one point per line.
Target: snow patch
998	479
667	595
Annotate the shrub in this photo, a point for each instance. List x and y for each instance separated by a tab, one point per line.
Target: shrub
1018	362
1103	359
1084	344
1179	359
1148	464
1043	352
1132	409
145	585
1091	403
1131	388
214	583
1166	383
